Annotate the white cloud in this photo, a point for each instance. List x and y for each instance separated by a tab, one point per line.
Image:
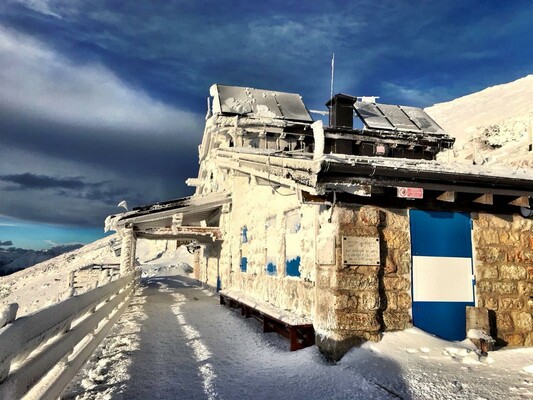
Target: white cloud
38	81
411	95
40	6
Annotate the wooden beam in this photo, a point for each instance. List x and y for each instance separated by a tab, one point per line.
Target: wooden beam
449	197
265	182
522	201
236	172
198	233
308	198
177	219
486	198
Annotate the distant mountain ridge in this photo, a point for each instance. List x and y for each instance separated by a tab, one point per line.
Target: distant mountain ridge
14	259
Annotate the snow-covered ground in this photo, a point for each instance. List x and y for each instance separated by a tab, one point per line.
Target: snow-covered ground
47	283
176	341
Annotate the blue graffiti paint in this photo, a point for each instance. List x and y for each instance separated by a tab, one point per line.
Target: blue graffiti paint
292	266
271	269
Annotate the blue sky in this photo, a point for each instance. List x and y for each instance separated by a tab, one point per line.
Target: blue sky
102	101
32	235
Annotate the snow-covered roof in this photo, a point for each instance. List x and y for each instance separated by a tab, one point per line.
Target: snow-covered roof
383	176
192	211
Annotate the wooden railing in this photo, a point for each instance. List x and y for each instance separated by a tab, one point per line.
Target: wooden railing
40	353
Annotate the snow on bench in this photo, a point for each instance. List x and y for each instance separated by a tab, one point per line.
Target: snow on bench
298	329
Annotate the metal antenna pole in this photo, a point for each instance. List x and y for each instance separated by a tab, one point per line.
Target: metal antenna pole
332	74
331	87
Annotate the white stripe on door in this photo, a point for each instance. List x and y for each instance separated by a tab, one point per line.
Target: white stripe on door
442	279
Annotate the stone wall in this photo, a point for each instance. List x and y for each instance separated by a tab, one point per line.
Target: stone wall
357	302
254	206
504	273
348	303
353	303
396	270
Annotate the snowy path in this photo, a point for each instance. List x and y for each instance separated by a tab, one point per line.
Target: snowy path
176	342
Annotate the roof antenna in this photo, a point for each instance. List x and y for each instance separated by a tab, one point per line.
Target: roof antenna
331	88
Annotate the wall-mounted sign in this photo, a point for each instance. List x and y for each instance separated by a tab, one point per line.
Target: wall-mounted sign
359	250
410	193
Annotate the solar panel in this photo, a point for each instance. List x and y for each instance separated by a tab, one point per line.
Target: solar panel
398	118
422	120
292	107
371	116
234	100
261	103
401	118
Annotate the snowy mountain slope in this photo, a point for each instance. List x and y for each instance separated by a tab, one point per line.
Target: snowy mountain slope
492	126
18	259
47	282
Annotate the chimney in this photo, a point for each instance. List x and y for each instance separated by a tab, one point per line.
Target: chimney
341	111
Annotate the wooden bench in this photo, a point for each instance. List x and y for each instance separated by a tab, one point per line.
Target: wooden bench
298	330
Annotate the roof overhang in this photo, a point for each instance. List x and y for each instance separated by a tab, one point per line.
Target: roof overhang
188	234
188	216
377	180
391	172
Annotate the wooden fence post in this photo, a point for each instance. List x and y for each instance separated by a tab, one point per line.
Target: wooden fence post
8	314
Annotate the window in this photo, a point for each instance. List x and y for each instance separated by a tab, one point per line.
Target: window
293	243
244	264
271	246
244	249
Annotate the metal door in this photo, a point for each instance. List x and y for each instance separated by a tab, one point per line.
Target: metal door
442	274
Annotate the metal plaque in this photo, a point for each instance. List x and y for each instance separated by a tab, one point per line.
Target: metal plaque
360	250
410	192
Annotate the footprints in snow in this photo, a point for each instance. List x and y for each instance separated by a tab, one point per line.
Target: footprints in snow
421	349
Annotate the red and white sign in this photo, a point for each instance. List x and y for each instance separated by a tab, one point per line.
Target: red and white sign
410	193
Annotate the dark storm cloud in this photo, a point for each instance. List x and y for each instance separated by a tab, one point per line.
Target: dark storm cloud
66	187
87	139
173	155
177	49
114	92
6	243
32	181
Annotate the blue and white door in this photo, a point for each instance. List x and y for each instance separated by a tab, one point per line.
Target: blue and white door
442	275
